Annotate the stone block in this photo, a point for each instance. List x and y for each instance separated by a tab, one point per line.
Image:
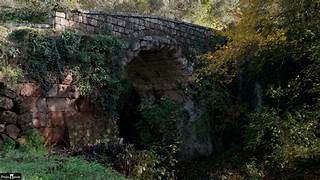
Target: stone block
55	136
93	22
71	23
61	104
12	131
90	28
40	119
8	117
121	29
63	91
64	22
61	14
77	18
41	105
85	19
121	23
2	128
68	79
29	89
25	121
109	19
55	119
8	93
6	103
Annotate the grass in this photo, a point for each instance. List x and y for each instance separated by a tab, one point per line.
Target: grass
39	165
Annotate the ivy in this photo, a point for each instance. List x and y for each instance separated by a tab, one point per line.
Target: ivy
93	60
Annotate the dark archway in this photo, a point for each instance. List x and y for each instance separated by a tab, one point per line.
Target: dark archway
155	69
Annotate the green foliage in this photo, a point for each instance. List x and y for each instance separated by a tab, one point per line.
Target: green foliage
9	72
39	166
143	164
31	11
9	145
94	61
158	133
159	123
253	171
276	43
33	162
34	142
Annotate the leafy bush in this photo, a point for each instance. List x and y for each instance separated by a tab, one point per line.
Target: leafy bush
143	164
33	165
34	142
159	134
93	60
33	162
275	44
9	145
159	123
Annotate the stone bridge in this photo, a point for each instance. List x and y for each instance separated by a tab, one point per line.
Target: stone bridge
136	26
161	48
158	62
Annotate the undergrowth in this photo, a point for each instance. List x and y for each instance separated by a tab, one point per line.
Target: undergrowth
33	162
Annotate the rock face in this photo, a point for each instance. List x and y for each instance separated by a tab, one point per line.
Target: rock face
15	120
62	116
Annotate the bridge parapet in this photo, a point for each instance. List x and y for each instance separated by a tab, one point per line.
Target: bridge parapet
135	26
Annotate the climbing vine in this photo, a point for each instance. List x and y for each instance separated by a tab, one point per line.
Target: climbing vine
93	60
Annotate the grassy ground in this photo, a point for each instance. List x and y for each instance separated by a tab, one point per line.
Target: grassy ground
39	165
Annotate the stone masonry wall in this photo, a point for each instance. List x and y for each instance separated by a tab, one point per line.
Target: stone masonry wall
132	25
62	116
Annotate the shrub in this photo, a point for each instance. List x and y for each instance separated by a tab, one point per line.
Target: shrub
93	60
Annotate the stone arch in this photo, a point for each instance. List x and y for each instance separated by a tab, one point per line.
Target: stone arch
157	68
155	64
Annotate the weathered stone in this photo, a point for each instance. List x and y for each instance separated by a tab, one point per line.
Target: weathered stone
56	119
68	79
30	89
41	105
39	119
93	22
12	131
60	14
2	128
55	136
6	103
8	93
8	117
87	128
25	121
84	105
61	104
161	73
21	107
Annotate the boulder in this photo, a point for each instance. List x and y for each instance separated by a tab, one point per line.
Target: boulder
12	131
8	117
25	121
8	93
6	103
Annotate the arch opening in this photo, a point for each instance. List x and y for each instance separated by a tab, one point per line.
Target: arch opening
153	74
